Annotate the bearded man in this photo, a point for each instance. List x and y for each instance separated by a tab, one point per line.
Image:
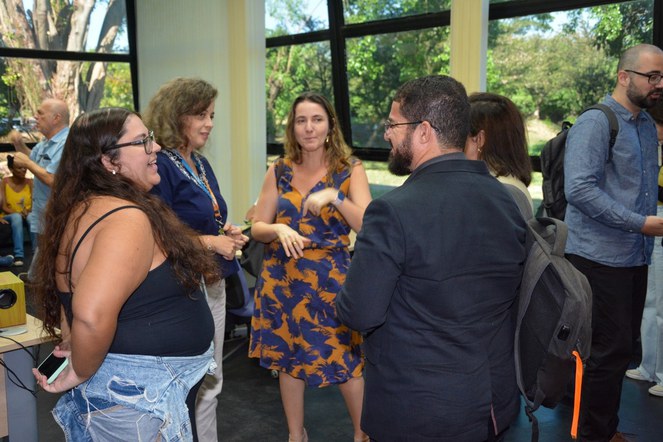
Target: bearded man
611	218
435	273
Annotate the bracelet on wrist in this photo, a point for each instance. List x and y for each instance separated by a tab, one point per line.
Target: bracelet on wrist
339	199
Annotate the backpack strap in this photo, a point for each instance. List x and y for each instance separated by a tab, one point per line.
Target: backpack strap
551	230
612	121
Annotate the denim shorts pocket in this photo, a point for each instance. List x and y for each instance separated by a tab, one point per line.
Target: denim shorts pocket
106	425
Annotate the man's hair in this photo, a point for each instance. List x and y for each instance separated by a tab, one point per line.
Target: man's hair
58	106
505	146
630	59
172	102
440	100
337	151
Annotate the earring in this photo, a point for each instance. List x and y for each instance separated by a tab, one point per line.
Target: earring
327	140
114	171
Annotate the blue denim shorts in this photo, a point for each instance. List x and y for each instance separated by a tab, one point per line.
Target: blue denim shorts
133	398
104	421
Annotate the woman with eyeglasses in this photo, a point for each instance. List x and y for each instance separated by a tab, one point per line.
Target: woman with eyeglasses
120	277
309	203
182	115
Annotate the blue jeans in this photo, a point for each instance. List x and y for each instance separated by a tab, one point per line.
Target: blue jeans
16	223
132	398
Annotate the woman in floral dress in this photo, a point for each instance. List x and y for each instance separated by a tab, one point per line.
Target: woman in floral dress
309	202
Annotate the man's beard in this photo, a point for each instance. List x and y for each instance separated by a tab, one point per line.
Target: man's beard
400	158
642	101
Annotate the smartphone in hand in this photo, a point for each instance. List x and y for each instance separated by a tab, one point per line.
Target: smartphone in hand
52	366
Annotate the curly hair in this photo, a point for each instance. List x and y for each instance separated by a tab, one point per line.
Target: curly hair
172	102
81	176
505	147
337	152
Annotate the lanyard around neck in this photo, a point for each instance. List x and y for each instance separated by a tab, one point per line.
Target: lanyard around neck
200	181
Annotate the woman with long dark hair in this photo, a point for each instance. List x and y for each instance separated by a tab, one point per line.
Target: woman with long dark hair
120	276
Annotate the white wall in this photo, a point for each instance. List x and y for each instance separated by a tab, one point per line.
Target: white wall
223	42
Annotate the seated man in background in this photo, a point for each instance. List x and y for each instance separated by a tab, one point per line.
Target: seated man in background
16	197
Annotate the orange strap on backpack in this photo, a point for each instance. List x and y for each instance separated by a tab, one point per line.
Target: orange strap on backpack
576	398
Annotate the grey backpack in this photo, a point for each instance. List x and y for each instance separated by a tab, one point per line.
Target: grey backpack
553	329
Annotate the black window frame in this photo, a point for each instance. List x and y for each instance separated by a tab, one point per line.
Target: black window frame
338	32
131	58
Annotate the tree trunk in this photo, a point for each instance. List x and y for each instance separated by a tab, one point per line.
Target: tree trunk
96	75
55	25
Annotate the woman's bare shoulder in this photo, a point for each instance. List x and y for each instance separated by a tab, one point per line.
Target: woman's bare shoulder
104	204
116	213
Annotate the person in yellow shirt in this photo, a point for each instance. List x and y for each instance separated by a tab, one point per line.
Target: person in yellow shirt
16	197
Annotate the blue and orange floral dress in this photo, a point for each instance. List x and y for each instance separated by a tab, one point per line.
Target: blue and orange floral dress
294	328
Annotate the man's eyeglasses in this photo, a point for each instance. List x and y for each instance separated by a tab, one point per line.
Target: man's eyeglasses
147	143
389	125
653	79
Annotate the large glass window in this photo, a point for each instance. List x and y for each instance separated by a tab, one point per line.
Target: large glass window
554	65
288	17
292	70
90	26
378	64
76	51
551	63
358	11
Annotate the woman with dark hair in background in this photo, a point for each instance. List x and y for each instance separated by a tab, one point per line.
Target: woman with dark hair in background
498	137
182	115
120	276
308	204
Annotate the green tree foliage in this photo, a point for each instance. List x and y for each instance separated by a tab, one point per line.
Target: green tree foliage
551	65
358	11
117	90
554	74
378	65
292	70
617	27
550	77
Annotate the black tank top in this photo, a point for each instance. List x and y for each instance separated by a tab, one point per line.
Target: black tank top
159	318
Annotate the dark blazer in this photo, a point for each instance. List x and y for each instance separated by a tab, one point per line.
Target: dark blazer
432	283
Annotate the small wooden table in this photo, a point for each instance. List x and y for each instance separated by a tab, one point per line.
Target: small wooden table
18	408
